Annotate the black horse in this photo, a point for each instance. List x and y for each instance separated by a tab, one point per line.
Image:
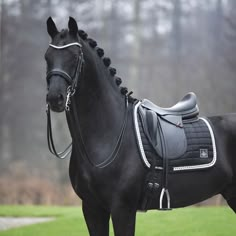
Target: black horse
106	170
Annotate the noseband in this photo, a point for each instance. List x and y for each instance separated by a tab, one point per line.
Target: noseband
73	82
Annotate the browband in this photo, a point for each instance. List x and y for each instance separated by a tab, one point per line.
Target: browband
65	46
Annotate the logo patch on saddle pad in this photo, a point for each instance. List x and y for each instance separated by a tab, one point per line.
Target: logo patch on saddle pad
203	153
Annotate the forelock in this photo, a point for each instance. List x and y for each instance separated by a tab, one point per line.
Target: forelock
63	34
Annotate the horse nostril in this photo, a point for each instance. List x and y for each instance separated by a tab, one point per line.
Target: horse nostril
55	100
60	99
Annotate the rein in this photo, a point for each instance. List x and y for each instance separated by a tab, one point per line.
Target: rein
51	146
112	156
67	151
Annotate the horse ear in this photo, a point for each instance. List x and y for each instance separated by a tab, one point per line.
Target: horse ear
51	27
72	25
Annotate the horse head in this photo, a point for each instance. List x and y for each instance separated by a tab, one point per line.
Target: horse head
64	58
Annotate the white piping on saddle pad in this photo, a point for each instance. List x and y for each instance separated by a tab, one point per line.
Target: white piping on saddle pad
179	168
203	166
140	144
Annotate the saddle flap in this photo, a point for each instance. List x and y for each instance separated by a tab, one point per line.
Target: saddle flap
174	139
166	134
151	126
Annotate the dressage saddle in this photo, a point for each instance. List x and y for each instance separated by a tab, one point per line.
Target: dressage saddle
171	139
164	126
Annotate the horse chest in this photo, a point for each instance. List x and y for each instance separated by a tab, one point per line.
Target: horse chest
90	182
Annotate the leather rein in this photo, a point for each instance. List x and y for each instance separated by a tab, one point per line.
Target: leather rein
73	83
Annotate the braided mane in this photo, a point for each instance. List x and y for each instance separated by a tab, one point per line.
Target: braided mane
107	62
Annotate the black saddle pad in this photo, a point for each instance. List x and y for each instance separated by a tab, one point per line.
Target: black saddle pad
200	152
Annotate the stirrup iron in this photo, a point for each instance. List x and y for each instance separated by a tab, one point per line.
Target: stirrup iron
165	192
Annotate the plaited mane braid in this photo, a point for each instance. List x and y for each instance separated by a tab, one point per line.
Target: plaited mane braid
112	71
63	33
107	62
92	42
100	52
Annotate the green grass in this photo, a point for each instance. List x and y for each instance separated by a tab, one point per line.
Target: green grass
185	222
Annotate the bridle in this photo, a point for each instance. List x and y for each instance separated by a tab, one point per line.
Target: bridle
73	83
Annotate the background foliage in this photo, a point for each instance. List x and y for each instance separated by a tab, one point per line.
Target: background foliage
161	48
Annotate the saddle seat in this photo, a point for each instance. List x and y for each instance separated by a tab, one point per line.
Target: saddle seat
164	126
187	107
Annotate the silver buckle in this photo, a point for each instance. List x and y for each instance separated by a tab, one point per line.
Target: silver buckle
70	93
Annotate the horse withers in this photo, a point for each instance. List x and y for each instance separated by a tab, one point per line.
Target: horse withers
106	168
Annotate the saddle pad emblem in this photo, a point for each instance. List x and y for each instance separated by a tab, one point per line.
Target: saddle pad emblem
203	153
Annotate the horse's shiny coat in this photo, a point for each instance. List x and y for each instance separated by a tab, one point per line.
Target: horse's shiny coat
95	121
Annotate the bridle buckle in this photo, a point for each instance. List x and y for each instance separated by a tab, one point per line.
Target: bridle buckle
70	93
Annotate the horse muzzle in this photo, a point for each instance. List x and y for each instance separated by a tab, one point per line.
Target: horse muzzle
56	101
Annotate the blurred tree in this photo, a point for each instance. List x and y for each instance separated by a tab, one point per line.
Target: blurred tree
136	43
5	136
162	48
230	34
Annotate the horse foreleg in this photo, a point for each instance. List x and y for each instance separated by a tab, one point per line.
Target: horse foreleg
232	203
123	219
97	220
230	195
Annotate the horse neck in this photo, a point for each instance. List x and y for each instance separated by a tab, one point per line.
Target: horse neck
98	108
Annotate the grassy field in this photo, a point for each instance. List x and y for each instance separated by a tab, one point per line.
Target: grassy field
185	222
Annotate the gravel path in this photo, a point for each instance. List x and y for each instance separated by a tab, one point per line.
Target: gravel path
13	222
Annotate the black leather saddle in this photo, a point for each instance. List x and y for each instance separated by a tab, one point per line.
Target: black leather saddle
164	126
171	139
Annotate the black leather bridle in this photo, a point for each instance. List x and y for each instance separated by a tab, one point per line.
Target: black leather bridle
73	83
